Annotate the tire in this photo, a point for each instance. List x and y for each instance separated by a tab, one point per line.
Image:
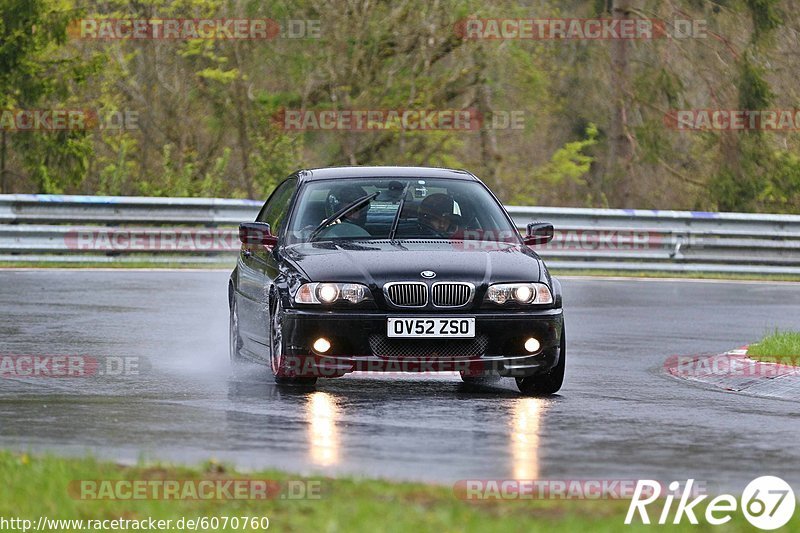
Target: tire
549	382
234	339
283	375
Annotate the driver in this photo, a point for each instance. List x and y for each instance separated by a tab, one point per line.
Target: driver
351	224
344	195
436	213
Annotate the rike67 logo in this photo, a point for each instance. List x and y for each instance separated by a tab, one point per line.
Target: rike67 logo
767	502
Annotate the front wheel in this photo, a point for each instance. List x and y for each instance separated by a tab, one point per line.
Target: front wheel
234	339
550	382
281	367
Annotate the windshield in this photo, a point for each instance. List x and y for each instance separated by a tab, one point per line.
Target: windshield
431	209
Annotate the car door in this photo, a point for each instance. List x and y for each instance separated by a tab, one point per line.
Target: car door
257	268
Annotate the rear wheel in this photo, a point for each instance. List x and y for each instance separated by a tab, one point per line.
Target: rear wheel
550	382
281	369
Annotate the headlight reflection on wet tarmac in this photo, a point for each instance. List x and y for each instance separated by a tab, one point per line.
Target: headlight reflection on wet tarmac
525	426
322	414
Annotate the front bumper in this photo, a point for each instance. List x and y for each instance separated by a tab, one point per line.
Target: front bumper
359	343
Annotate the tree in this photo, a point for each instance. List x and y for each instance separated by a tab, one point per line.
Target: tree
33	70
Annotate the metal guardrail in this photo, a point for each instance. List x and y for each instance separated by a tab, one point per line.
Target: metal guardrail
110	229
116	210
669	241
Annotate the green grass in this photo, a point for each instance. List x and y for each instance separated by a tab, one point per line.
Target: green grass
38	486
777	347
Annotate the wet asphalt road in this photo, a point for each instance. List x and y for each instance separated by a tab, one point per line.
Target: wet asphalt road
618	416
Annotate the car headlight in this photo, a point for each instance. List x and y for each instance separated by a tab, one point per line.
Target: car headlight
519	293
328	293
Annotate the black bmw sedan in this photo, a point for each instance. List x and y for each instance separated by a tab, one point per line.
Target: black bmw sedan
379	269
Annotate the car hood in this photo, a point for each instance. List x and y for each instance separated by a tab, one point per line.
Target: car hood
377	262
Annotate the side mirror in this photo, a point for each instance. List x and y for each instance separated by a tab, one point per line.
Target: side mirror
539	233
256	233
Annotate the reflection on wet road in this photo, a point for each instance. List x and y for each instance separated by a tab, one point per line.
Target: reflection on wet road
525	437
323	433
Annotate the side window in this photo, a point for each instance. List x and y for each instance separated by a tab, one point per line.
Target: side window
275	210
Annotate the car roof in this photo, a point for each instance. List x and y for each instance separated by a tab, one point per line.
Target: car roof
383	172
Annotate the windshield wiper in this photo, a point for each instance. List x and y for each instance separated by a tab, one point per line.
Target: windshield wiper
340	213
396	221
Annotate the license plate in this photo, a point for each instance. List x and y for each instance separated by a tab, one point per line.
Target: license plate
453	328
